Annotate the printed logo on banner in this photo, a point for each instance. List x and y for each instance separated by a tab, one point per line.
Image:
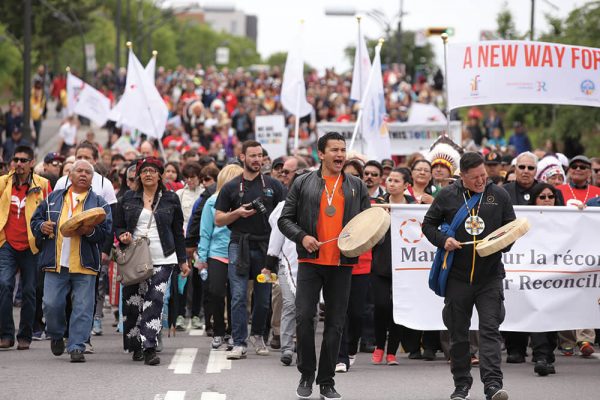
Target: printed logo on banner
587	87
410	231
475	85
541	86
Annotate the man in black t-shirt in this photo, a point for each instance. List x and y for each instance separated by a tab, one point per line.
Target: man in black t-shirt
244	205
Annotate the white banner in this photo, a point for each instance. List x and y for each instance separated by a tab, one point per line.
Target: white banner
552	276
509	71
405	138
271	133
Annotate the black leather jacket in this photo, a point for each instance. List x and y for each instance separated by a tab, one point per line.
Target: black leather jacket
168	217
301	210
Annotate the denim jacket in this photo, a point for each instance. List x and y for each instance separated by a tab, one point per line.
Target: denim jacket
168	217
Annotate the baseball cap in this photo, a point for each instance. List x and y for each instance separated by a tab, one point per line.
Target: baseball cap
54	156
493	158
580	158
387	163
278	161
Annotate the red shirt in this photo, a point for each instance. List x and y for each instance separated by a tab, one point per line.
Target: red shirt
582	195
16	225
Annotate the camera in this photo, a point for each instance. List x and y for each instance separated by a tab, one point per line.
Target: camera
257	205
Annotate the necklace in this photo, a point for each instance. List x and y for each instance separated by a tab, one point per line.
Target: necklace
474	224
330	210
587	193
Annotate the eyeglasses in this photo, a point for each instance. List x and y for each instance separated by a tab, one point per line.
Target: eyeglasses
528	167
546	196
373	174
427	171
286	172
148	171
17	160
207	179
582	167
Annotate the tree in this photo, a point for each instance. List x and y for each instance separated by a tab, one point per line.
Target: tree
10	62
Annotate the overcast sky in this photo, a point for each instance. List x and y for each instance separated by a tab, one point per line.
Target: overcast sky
325	37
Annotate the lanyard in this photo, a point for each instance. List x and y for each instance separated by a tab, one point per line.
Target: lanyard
330	196
478	205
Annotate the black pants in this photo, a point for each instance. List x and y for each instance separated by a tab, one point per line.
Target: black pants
335	282
489	299
516	342
385	327
544	344
217	291
359	289
196	292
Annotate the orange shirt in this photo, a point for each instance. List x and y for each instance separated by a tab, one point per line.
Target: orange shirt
329	227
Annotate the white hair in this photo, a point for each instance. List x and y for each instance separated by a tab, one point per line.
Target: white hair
82	162
528	154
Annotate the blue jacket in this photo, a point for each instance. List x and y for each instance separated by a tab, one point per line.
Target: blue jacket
214	240
90	246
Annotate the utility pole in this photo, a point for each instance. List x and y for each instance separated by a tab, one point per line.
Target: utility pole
26	69
532	27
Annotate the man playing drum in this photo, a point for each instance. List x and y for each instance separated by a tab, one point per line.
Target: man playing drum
482	207
319	204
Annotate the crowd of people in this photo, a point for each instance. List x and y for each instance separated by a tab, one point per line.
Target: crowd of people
236	236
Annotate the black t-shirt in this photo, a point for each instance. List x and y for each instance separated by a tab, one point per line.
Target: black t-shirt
241	191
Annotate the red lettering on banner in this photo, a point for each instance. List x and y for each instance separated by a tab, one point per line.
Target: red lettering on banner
586	58
509	55
547	57
482	56
560	53
468	58
574	56
494	55
596	59
532	55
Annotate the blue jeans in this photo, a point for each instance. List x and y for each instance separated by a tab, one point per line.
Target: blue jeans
83	294
26	262
239	286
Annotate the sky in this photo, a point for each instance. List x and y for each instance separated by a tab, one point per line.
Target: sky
325	37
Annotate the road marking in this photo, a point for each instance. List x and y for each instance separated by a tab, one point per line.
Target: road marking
197	332
212	396
175	395
217	361
183	360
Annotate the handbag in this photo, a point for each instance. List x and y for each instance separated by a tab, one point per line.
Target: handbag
134	262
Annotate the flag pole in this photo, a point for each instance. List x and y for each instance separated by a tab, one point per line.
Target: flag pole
362	100
444	37
360	93
297	120
160	146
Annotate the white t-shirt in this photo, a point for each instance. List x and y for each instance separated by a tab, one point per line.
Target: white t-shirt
68	133
141	229
100	185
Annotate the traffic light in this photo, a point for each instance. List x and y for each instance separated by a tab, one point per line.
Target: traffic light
439	30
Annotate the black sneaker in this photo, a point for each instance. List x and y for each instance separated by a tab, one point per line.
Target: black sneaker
428	355
495	393
460	393
57	347
515	358
150	357
286	358
328	392
137	355
551	369
304	390
541	368
77	356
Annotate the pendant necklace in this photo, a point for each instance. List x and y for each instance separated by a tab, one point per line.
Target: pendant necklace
474	224
587	193
330	209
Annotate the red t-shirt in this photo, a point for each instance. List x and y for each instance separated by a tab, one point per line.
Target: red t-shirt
16	225
570	192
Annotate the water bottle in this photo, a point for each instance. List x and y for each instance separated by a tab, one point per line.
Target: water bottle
204	274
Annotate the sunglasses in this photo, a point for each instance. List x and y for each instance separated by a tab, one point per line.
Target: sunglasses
56	163
596	170
207	179
581	167
528	167
546	196
286	172
21	160
373	174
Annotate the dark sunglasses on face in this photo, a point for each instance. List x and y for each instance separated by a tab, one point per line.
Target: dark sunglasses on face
56	163
373	174
582	167
596	170
286	172
21	160
207	179
528	167
544	197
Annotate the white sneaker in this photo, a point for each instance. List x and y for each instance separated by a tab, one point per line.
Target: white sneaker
197	323
341	367
352	359
217	342
259	345
238	352
89	349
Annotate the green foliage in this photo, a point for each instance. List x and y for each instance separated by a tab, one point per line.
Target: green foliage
10	62
277	59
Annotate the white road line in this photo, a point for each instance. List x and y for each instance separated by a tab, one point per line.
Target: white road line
217	361
213	396
183	360
175	395
197	332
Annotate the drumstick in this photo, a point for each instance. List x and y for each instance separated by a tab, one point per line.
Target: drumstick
342	236
471	242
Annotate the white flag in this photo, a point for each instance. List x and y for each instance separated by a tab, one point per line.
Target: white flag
362	67
115	112
374	127
293	92
141	106
74	87
93	105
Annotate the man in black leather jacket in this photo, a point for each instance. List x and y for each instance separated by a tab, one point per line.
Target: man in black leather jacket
318	206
